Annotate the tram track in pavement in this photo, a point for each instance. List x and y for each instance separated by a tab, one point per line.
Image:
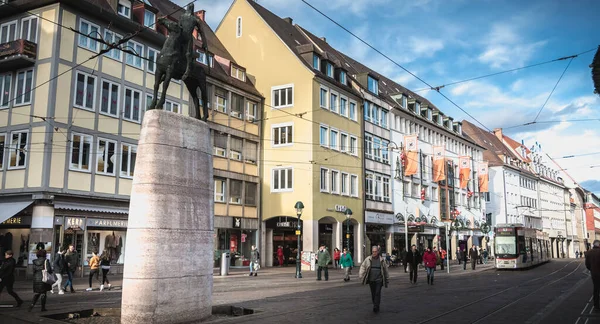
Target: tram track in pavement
514	301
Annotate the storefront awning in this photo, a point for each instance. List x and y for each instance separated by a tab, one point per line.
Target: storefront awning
91	208
10	209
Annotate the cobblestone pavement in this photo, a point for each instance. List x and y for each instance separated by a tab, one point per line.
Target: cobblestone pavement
557	292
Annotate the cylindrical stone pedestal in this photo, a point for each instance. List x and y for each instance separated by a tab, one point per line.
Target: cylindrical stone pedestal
169	260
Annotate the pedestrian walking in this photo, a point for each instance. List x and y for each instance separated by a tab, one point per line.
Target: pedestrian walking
485	256
403	258
374	271
480	255
443	255
465	257
459	255
474	256
323	259
576	254
7	276
60	267
40	288
94	264
72	259
286	255
429	260
280	255
336	258
254	259
395	256
592	263
346	263
413	258
105	267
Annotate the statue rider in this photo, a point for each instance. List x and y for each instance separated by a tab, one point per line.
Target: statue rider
188	21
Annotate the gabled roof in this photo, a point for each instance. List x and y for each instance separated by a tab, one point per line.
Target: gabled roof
494	147
517	147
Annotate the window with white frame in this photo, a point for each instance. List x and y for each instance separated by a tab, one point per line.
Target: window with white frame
282	134
5	80
323	98
345	184
377	156
29	28
148	101
85	90
220	144
333	139
112	37
132	105
375	114
282	179
342	77
250	152
352	111
128	157
149	19
220	186
109	98
221	100
250	194
235	191
434	193
385	154
124	8
152	54
335	182
333	104
238	73
134	60
282	96
172	106
18	149
238	27
384	118
354	185
316	62
367	111
343	106
237	106
204	59
324	135
251	110
369	179
23	87
368	146
329	70
343	142
106	157
324	180
81	152
386	189
235	148
2	149
353	146
8	32
89	29
377	188
372	85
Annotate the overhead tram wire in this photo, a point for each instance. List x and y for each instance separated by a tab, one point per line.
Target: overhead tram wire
551	92
553	121
395	63
506	71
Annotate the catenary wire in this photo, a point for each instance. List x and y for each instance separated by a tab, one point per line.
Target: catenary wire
551	92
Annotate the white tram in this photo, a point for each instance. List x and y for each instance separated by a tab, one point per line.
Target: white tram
518	247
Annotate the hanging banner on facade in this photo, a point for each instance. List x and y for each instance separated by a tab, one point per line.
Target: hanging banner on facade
439	167
411	155
482	169
465	171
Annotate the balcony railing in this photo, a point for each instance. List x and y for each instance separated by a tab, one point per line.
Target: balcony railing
17	54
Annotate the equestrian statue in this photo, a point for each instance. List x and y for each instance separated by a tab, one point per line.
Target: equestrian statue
176	61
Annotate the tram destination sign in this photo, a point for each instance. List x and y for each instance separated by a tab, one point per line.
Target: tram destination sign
505	231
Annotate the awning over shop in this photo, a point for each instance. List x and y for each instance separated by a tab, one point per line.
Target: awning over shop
10	209
91	208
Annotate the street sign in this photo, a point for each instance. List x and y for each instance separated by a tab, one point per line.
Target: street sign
416	228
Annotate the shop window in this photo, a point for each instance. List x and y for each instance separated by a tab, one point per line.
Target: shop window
220	144
81	152
128	157
105	163
250	152
18	149
250	194
235	191
220	186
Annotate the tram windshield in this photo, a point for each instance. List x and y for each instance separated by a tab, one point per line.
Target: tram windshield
506	245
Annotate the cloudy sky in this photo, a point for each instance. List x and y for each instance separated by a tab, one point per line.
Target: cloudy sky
452	40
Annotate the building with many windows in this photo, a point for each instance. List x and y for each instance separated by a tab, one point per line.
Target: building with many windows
70	118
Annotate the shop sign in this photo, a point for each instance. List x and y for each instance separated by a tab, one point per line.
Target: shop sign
237	222
244	237
416	228
379	218
99	222
75	223
340	208
58	220
287	224
17	220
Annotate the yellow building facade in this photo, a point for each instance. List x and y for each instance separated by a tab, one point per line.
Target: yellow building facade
312	122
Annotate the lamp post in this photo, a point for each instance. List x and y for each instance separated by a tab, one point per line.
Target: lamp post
348	213
299	206
561	239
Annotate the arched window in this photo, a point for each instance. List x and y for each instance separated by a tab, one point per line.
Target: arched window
238	29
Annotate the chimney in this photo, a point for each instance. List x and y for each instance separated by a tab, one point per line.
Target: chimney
324	39
498	133
288	20
201	14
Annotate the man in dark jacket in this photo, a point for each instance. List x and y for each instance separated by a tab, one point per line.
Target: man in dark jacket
7	276
592	263
474	255
72	260
413	259
464	255
403	258
286	255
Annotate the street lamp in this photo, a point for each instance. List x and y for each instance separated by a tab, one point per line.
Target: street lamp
299	206
348	213
561	239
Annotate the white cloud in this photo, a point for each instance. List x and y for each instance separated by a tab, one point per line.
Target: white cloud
425	46
505	47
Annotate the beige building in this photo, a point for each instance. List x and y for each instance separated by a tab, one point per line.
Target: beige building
70	121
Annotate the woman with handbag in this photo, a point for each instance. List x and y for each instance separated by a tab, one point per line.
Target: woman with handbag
43	278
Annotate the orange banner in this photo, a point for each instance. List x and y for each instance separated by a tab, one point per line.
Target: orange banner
465	171
482	169
439	163
412	155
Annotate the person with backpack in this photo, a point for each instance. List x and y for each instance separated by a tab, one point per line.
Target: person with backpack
254	259
105	267
60	267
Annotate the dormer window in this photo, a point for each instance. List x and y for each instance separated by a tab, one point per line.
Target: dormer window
238	73
404	102
316	62
204	59
435	119
342	77
149	19
124	8
373	85
417	107
329	70
446	125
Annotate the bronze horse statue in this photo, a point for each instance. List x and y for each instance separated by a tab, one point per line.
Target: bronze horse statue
172	63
